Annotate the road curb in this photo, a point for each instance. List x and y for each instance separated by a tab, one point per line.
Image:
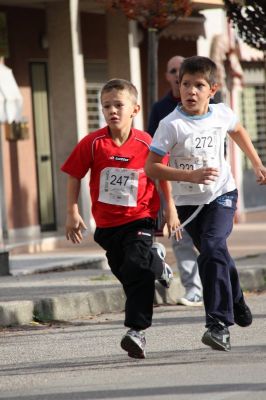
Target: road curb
16	312
77	305
253	279
111	299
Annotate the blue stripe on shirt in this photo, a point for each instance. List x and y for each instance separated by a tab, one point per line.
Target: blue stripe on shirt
157	151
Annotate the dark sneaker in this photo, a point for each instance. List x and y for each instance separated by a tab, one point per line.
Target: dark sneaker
194	301
242	313
217	336
167	274
134	343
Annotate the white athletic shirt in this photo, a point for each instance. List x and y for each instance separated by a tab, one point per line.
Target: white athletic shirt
193	142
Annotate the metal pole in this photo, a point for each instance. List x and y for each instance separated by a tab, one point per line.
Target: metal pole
152	67
3	222
264	59
4	254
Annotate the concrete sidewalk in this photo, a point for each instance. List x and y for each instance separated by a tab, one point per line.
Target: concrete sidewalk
64	282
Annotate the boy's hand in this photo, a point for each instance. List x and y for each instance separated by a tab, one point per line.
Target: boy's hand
205	175
172	222
260	173
74	227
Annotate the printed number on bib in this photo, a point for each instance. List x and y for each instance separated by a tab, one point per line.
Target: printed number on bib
204	143
186	163
119	186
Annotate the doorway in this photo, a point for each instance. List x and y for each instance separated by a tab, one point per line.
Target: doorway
39	84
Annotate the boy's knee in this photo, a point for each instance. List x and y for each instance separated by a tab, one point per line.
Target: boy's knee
212	246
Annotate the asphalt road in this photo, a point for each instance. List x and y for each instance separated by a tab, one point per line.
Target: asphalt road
83	360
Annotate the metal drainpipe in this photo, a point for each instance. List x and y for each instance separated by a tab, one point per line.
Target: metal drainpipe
4	255
233	146
3	221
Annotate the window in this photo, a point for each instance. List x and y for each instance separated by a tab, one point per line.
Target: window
96	76
253	117
94	113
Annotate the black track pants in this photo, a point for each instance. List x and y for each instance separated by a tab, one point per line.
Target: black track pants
135	264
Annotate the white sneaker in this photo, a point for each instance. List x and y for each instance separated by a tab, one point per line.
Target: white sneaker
167	274
159	247
195	301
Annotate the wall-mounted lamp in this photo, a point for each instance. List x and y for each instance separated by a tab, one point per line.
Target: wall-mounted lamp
44	41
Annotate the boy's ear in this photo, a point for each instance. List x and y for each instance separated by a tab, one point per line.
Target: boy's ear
214	89
136	110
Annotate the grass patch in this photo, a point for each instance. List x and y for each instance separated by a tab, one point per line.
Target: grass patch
102	277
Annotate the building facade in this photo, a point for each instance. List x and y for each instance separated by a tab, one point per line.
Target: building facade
61	52
242	78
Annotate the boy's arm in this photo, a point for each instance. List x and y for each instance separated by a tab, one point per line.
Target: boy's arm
241	137
155	169
171	217
74	222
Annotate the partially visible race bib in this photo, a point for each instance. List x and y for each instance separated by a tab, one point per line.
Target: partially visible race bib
188	163
203	150
119	186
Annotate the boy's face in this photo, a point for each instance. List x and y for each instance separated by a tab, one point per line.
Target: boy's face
118	109
195	93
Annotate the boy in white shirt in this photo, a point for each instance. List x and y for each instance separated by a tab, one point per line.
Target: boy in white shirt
193	134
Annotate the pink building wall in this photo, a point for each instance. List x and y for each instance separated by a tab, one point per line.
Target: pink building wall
24	29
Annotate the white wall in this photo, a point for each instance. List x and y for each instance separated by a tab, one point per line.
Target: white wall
215	24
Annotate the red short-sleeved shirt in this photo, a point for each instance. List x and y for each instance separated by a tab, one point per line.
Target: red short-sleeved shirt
98	151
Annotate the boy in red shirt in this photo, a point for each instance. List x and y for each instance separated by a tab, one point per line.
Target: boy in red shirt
125	204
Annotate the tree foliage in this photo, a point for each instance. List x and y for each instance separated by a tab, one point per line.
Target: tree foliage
151	14
249	17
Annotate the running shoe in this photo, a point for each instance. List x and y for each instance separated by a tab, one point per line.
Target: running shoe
134	343
217	336
167	274
242	313
195	301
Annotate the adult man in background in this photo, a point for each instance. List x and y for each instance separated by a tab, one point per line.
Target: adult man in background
184	250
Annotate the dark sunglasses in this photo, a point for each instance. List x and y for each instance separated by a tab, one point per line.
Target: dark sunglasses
173	71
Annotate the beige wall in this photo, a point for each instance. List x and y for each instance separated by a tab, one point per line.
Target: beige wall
67	89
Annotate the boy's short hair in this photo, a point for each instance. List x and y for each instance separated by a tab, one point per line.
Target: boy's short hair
198	64
121	84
